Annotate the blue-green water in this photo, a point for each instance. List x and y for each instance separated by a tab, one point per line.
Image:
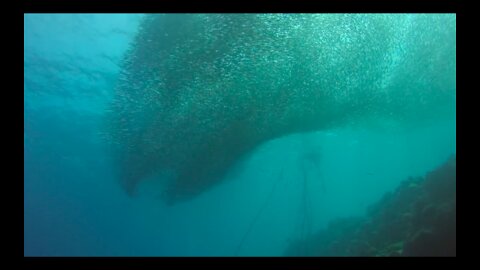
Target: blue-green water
370	101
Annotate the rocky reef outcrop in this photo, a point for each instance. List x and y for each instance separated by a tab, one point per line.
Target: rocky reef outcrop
417	219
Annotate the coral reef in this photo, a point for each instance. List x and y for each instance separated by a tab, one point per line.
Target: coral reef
417	219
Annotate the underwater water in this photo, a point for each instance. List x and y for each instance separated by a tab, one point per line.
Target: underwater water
226	134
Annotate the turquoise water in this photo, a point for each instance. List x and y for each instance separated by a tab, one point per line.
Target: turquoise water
320	115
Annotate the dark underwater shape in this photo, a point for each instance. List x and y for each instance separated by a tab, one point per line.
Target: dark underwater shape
418	219
200	91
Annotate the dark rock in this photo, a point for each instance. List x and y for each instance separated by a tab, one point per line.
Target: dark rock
417	219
